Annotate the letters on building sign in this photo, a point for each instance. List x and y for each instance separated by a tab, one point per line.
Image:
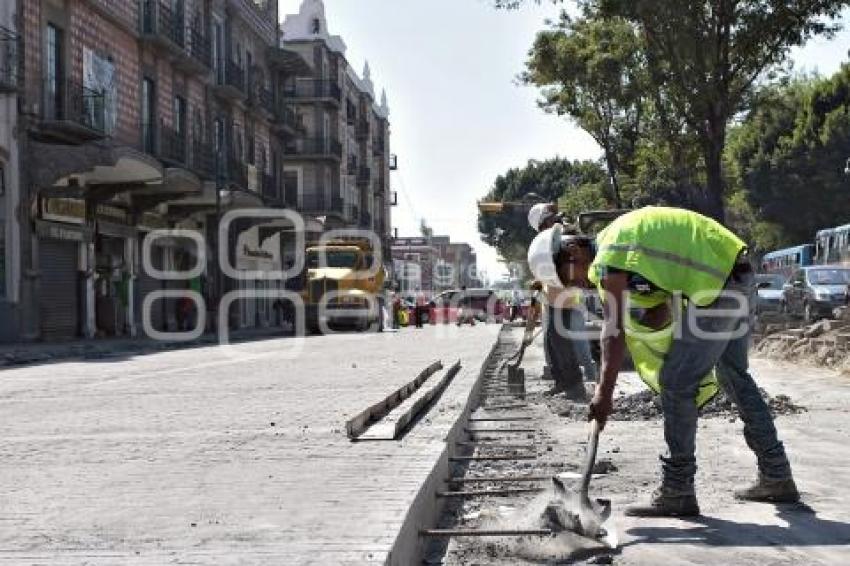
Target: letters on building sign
112	213
64	210
256	253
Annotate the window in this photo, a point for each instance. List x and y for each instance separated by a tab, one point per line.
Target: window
148	115
2	179
317	26
250	151
290	187
218	51
180	117
54	73
218	137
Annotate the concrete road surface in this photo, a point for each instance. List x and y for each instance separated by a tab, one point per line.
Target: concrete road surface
221	455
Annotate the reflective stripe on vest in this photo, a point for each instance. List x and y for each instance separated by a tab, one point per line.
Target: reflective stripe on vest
676	250
666	256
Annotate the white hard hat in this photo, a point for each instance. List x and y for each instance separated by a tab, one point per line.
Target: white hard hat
541	256
539	213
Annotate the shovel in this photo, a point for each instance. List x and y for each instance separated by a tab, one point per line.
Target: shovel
577	512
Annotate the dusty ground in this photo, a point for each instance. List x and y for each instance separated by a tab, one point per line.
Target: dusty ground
728	532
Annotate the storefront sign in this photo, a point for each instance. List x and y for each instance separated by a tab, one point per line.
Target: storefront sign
57	231
112	214
257	253
64	210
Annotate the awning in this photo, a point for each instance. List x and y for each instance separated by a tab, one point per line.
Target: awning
288	61
74	170
283	226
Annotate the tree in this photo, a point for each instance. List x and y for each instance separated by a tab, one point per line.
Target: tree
786	159
706	57
592	70
509	231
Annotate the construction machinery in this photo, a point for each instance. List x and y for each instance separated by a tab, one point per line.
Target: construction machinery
344	285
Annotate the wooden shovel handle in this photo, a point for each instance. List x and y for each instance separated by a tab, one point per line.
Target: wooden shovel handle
590	456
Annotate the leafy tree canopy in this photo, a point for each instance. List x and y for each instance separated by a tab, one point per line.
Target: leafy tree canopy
509	231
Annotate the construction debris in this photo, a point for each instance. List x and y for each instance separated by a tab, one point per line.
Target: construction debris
825	343
646	406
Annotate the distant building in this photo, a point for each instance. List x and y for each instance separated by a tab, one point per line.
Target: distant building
433	264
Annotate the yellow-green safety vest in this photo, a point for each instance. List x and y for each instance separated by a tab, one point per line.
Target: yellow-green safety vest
677	250
648	349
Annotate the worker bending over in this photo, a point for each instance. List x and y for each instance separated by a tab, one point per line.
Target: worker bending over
650	257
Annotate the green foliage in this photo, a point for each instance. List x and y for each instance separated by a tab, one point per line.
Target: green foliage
592	70
704	58
786	160
509	231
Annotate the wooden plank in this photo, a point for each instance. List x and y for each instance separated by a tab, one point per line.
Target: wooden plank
397	420
355	426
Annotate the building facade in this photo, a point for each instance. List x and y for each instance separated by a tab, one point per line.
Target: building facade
137	116
10	246
432	264
340	167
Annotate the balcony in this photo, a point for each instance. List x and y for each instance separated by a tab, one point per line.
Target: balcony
270	189
236	172
393	162
364	176
311	90
287	121
200	51
260	98
72	113
318	204
313	148
9	62
394	200
203	162
379	146
230	82
365	220
172	146
362	131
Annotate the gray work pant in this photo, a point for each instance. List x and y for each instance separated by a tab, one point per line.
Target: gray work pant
704	344
566	348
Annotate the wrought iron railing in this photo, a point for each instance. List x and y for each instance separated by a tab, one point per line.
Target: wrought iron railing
70	101
313	88
160	18
327	147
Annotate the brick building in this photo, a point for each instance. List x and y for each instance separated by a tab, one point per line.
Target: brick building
433	264
143	115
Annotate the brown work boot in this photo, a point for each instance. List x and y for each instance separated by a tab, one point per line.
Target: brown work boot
666	502
770	491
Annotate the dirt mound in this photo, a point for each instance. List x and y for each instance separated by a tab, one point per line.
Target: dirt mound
646	406
824	343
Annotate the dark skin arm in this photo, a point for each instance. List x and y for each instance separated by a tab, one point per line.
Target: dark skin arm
613	346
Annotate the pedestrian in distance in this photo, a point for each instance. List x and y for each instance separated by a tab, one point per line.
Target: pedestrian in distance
649	256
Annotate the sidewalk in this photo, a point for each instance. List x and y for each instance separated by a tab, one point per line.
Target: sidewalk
19	354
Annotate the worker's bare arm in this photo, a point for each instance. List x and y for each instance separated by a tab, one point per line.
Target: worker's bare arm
613	345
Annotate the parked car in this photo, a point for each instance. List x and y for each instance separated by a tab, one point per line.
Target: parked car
770	292
816	291
485	304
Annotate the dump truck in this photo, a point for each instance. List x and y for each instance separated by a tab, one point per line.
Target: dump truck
344	285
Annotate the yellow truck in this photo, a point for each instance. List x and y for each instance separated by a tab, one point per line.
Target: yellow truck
344	285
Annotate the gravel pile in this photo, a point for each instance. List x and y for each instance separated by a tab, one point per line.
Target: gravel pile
646	406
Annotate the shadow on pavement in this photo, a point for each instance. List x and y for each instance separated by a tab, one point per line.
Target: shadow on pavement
804	528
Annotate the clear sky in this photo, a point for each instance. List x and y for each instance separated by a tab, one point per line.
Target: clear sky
458	118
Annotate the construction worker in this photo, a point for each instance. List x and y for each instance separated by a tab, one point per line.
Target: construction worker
565	346
647	257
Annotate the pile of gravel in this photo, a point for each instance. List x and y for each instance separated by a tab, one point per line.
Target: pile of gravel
646	406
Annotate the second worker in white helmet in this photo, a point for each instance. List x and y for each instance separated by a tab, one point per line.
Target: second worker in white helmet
565	343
